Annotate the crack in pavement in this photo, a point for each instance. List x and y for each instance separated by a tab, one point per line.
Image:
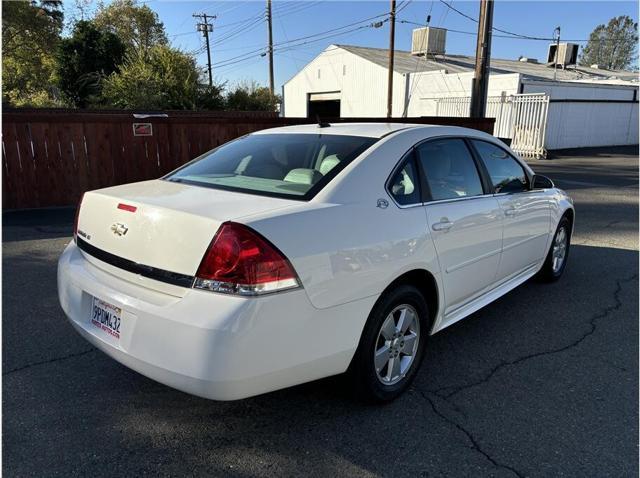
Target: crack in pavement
592	328
43	362
474	442
447	396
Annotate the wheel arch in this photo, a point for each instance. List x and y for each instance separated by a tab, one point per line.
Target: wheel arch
571	215
426	283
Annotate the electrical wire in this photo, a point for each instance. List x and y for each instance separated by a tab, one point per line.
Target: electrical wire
475	20
297	42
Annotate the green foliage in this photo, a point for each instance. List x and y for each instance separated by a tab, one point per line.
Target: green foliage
137	26
251	97
84	60
163	78
30	30
612	46
210	97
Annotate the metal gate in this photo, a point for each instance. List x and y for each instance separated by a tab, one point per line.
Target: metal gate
522	118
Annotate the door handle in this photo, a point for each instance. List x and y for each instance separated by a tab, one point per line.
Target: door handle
510	212
442	226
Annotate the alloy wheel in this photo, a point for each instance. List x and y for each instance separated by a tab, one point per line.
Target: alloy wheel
397	344
559	249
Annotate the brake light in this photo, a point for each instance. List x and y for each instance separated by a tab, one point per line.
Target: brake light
75	221
127	207
240	261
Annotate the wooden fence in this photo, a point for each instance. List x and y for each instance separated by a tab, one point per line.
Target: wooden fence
50	157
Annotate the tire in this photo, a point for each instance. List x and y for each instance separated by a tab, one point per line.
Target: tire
552	270
389	379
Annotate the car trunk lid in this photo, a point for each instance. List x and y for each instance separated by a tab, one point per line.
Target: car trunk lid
162	225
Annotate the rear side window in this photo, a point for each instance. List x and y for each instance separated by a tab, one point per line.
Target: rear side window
404	186
506	173
449	169
295	165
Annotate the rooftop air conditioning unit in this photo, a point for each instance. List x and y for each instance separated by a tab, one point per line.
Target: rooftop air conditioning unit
567	54
525	59
428	41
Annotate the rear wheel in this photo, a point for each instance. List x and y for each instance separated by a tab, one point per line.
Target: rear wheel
556	260
392	345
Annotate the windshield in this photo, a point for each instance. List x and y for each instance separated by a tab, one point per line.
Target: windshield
282	165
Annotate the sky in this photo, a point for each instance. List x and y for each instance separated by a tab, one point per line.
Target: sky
240	32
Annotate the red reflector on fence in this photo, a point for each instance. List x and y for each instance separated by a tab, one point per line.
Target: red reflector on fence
126	207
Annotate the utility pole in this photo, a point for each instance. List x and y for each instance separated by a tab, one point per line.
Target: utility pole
480	83
269	18
392	39
205	27
556	32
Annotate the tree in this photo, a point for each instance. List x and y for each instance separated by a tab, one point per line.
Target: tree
137	26
84	60
30	30
251	97
210	98
612	46
163	78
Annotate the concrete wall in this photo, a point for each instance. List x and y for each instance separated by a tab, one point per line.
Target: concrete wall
362	85
610	117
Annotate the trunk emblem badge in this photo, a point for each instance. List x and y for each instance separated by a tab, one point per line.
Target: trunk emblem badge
119	229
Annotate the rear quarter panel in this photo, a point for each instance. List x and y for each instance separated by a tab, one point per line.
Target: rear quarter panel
346	252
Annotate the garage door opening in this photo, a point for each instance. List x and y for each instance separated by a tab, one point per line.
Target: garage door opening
324	105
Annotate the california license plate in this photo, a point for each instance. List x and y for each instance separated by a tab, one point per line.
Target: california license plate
106	317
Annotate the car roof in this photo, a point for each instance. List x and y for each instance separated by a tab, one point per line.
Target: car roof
371	130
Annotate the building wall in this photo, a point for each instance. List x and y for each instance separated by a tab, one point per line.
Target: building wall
609	116
361	83
425	88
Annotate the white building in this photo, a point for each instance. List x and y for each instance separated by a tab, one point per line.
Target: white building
581	107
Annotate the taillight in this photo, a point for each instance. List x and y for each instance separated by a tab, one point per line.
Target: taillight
75	221
240	261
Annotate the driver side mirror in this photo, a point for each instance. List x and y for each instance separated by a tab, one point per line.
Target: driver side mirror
541	182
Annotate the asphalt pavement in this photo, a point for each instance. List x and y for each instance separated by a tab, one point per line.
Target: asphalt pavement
543	382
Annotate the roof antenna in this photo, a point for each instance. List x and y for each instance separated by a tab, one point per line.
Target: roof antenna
321	124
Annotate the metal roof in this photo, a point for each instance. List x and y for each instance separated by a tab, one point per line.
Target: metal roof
405	62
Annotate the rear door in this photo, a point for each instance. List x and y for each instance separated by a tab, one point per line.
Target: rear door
464	219
526	212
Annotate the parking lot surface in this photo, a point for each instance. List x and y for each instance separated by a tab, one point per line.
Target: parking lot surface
543	382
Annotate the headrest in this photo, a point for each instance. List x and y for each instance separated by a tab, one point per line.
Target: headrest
303	176
329	163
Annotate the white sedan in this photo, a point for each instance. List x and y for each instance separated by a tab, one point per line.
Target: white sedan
297	253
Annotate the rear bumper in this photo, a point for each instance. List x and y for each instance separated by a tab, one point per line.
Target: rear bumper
213	345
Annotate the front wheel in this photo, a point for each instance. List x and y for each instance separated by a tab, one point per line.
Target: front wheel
556	260
392	345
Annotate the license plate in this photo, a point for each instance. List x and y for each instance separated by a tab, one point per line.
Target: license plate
106	317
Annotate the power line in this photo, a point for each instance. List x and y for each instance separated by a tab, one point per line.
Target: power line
247	25
296	8
298	42
475	20
462	32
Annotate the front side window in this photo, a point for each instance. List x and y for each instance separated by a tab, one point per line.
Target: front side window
404	186
295	165
506	173
449	169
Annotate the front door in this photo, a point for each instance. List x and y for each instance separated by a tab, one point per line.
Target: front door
526	212
464	221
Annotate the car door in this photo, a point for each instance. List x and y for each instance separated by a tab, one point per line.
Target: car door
464	219
526	211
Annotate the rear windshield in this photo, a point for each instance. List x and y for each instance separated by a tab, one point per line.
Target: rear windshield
283	165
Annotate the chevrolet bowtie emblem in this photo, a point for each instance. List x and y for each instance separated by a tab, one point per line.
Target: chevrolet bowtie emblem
119	229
